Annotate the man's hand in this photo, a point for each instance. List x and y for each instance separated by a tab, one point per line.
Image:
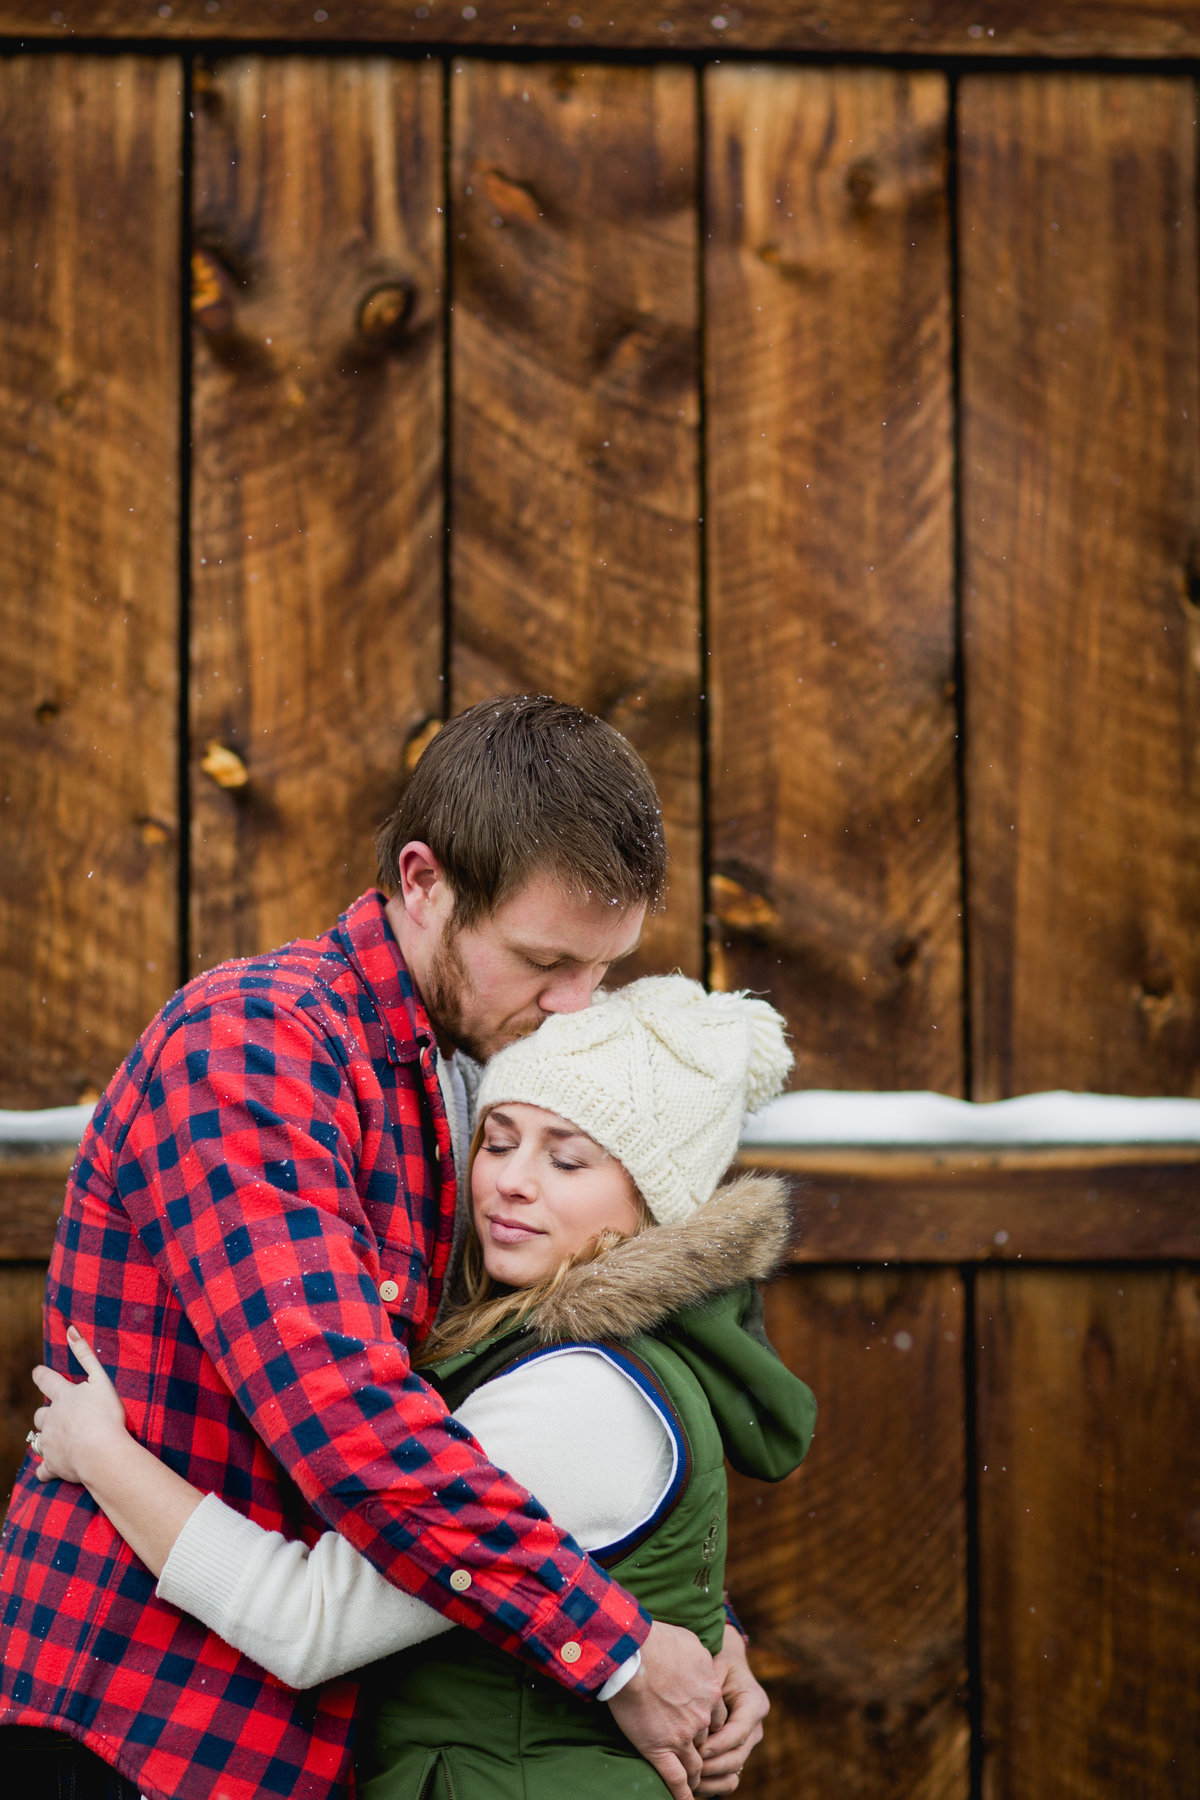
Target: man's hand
668	1708
725	1752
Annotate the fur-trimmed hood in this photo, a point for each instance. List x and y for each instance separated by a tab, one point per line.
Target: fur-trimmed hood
740	1235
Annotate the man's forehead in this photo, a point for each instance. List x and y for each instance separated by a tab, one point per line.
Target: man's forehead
557	924
552	946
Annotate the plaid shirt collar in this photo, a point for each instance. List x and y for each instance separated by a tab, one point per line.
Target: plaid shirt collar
371	948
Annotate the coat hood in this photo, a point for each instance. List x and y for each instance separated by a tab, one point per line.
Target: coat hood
740	1235
692	1284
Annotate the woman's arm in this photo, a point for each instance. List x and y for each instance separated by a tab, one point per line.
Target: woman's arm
83	1438
571	1427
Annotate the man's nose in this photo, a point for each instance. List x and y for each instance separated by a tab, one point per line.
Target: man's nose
570	993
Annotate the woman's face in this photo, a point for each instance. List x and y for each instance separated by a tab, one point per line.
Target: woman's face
542	1189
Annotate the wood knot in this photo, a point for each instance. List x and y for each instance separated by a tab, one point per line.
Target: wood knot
739	908
862	178
1155	995
212	293
511	198
224	766
384	314
419	742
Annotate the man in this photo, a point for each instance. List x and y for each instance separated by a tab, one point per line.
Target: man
260	1221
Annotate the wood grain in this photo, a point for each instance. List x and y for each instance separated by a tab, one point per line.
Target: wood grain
1089	1509
955	1206
1081	520
89	510
33	1179
833	792
316	541
1071	28
21	1295
850	1575
574	443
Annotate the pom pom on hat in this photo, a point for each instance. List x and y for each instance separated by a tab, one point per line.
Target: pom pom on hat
659	1073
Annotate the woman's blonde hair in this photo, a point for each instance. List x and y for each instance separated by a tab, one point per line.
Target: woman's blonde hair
487	1309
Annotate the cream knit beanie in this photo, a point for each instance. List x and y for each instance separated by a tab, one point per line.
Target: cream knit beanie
660	1073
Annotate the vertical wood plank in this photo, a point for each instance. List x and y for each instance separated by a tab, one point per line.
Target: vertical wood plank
835	835
1089	1390
317	612
89	507
22	1291
850	1575
1081	542
575	418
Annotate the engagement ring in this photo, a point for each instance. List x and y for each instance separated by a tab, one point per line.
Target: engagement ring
34	1440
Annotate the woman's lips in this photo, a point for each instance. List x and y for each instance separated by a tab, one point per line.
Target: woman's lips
508	1231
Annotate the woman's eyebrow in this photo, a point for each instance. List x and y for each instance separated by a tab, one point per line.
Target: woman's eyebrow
559	1132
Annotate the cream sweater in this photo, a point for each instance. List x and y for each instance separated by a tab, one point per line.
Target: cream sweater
570	1425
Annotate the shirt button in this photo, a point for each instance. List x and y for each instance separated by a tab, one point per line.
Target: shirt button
389	1291
571	1652
460	1581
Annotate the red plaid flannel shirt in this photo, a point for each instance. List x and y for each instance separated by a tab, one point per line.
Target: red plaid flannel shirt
258	1220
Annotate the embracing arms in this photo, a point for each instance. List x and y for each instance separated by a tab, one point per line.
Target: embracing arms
308	1616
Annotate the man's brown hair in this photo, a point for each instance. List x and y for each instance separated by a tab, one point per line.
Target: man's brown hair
521	785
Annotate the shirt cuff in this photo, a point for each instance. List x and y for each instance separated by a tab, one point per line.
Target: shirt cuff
617	1681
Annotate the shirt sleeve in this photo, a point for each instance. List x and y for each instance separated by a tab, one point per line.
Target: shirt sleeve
570	1425
238	1170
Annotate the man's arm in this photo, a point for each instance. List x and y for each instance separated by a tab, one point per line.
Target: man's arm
238	1170
310	1616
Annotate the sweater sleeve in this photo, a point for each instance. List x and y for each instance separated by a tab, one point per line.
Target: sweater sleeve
569	1425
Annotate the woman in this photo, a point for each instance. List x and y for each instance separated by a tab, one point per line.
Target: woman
607	1352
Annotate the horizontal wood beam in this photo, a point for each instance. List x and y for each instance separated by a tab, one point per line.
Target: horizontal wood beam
872	1206
32	1183
1134	29
885	1206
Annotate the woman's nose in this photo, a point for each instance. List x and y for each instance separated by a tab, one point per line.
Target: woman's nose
516	1178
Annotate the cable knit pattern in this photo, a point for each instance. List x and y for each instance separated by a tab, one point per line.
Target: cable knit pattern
660	1049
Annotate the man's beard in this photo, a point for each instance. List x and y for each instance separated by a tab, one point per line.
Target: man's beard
449	988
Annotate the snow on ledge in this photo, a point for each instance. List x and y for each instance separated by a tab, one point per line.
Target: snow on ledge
827	1118
832	1119
55	1125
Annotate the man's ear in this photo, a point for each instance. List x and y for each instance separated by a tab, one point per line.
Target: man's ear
423	891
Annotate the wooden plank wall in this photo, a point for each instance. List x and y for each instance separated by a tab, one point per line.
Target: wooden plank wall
89	578
316	598
835	845
832	430
575	531
1081	506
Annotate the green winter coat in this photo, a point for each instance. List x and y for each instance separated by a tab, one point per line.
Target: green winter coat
456	1718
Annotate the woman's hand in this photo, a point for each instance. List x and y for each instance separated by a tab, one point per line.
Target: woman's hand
82	1437
727	1749
81	1419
